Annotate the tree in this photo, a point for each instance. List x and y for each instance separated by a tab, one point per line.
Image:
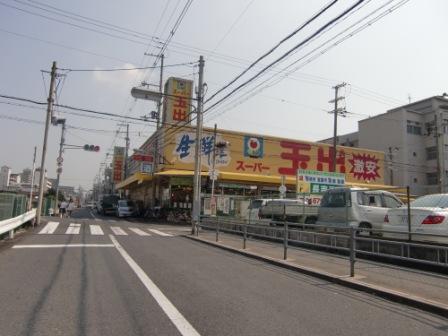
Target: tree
52	192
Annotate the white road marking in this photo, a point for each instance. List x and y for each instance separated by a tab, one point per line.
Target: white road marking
95	230
118	231
50	228
160	233
181	323
139	232
73	228
60	245
111	220
97	219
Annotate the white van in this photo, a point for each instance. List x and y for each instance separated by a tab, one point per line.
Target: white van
356	207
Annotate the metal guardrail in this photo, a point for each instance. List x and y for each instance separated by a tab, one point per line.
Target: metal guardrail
347	240
9	225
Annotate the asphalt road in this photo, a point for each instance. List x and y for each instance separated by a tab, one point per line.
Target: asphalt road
92	275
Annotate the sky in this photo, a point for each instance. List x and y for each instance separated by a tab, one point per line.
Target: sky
400	56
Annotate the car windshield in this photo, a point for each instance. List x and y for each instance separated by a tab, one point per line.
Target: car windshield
256	204
431	201
124	203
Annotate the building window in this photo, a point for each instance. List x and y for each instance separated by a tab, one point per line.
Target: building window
431	153
431	178
415	180
445	126
414	127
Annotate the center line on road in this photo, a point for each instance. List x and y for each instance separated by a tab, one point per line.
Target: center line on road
181	323
60	245
95	230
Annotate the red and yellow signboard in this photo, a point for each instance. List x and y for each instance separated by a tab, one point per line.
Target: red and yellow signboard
177	101
118	164
270	156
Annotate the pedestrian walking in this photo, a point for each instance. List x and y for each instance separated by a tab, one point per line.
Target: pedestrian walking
70	208
63	209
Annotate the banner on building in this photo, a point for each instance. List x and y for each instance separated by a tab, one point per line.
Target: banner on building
118	164
177	100
262	155
313	181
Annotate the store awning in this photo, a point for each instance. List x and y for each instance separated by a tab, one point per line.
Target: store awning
137	177
256	178
178	172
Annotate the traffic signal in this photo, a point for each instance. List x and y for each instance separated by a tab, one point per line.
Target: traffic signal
92	148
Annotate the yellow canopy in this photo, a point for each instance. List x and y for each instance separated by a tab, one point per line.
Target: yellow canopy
178	172
137	177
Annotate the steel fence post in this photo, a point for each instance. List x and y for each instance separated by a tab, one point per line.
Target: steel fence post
217	228
244	235
408	197
352	251
11	234
285	241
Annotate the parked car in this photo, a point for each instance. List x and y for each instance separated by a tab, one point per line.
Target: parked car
108	204
253	213
291	210
356	207
125	208
429	215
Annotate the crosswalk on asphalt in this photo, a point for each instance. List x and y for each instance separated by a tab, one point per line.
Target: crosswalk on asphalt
97	230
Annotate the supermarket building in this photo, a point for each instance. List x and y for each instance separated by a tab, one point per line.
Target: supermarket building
248	165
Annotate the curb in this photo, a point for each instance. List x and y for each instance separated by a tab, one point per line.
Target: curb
389	294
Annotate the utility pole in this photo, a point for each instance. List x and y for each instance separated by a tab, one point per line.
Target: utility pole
336	111
50	102
197	162
126	153
155	157
32	179
59	162
391	169
213	163
440	179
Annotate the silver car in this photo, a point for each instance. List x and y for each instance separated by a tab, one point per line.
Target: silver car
356	207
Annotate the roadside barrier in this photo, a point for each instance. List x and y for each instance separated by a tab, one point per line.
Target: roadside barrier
348	240
9	225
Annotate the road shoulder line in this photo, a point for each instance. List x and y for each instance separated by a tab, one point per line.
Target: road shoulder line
180	322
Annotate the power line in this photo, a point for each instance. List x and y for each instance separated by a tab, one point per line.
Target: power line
73	24
275	47
75	108
125	69
257	89
345	12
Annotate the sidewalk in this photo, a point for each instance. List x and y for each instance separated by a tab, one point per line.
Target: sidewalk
420	289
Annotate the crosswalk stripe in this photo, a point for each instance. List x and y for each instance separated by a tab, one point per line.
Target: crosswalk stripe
96	230
73	228
50	228
139	232
118	231
160	233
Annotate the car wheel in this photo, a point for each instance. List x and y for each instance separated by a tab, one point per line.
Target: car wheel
365	226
